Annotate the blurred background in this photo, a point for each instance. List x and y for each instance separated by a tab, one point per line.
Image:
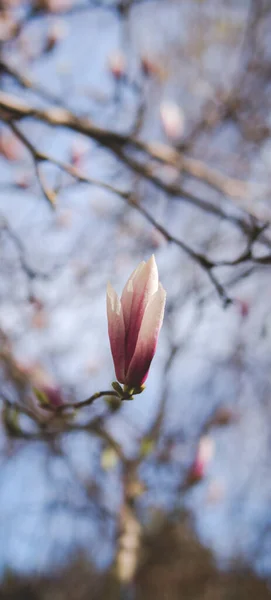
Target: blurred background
132	127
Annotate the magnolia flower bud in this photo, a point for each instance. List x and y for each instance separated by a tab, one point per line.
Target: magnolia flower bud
78	151
117	65
243	307
10	146
56	33
23	180
204	455
172	119
149	66
49	395
45	394
134	323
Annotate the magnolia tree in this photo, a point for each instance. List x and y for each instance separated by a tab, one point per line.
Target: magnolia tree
122	138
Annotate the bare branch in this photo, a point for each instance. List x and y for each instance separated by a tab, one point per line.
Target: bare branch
25	82
15	109
160	152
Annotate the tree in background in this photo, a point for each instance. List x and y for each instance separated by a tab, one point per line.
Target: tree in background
130	128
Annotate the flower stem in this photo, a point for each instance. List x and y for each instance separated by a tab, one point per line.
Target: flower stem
83	403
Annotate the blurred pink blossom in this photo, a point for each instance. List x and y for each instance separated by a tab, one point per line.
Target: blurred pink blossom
10	147
56	33
149	66
204	455
117	64
45	393
243	307
172	119
58	6
78	151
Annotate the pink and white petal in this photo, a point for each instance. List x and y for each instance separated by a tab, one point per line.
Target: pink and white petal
146	280
145	284
147	339
116	331
127	294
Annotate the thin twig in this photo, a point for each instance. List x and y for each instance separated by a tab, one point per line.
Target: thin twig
82	403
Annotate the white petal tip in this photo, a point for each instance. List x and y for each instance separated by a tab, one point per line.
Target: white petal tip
113	299
152	261
162	291
110	290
